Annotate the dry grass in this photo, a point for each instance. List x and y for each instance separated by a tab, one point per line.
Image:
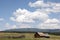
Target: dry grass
28	36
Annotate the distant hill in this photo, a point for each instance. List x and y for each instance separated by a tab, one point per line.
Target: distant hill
33	30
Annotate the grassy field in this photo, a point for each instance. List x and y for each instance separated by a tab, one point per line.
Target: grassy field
28	36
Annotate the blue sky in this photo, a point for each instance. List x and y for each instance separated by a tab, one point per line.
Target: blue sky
29	14
8	6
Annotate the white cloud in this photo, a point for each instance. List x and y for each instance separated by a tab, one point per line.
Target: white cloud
1	19
39	3
12	18
9	26
49	6
15	26
50	24
52	21
23	15
41	14
56	8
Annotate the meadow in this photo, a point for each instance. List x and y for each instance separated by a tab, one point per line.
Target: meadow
28	36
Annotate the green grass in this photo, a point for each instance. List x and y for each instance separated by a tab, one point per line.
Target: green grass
29	36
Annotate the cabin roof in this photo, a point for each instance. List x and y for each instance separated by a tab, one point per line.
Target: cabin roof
43	34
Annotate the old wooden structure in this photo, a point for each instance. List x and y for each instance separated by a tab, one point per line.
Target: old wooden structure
40	35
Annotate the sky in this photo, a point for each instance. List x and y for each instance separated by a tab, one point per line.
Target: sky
42	14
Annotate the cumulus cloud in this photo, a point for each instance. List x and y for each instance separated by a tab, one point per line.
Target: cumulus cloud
49	6
41	14
52	21
38	4
23	15
50	24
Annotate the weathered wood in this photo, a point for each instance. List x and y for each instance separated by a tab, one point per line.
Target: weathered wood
41	35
